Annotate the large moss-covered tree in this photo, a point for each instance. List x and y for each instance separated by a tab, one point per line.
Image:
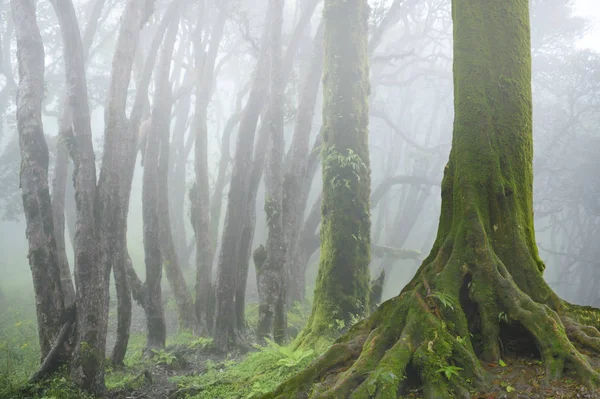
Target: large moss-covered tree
342	288
483	276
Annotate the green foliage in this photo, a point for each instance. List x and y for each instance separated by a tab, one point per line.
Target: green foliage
289	356
19	346
445	299
335	161
163	357
449	371
258	373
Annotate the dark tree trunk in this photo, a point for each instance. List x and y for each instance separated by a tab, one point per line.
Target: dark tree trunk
61	167
43	258
271	284
91	274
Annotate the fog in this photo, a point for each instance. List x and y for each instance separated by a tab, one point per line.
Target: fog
410	129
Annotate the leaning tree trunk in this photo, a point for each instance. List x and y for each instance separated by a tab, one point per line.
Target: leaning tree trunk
342	289
43	258
484	262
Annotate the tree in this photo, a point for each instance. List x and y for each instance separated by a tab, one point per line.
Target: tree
342	289
483	275
271	279
101	206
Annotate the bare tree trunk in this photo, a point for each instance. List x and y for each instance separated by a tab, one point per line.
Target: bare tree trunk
162	107
216	200
154	251
260	152
204	246
271	288
297	179
62	162
121	136
43	258
225	315
91	274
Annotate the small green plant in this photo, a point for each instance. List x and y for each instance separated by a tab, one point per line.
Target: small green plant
449	371
502	316
335	160
160	356
288	357
445	299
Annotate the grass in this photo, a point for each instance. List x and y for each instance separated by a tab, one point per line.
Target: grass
258	373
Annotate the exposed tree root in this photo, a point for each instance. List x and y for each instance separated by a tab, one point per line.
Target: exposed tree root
454	311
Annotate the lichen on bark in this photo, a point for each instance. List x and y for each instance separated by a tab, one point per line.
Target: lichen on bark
483	277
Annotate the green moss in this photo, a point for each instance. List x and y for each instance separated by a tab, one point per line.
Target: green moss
342	288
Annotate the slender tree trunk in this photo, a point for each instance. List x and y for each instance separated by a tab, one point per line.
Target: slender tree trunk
154	251
271	286
183	298
43	257
121	136
296	191
204	246
228	269
342	289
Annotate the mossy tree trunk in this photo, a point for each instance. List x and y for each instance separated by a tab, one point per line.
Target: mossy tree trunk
271	279
484	271
342	288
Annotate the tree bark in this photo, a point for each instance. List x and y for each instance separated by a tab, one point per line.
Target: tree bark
43	257
62	162
342	290
484	262
118	162
91	274
271	285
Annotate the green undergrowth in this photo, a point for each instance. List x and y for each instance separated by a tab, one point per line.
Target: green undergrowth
258	373
19	347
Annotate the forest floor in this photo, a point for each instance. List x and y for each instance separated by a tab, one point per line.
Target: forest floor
190	368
